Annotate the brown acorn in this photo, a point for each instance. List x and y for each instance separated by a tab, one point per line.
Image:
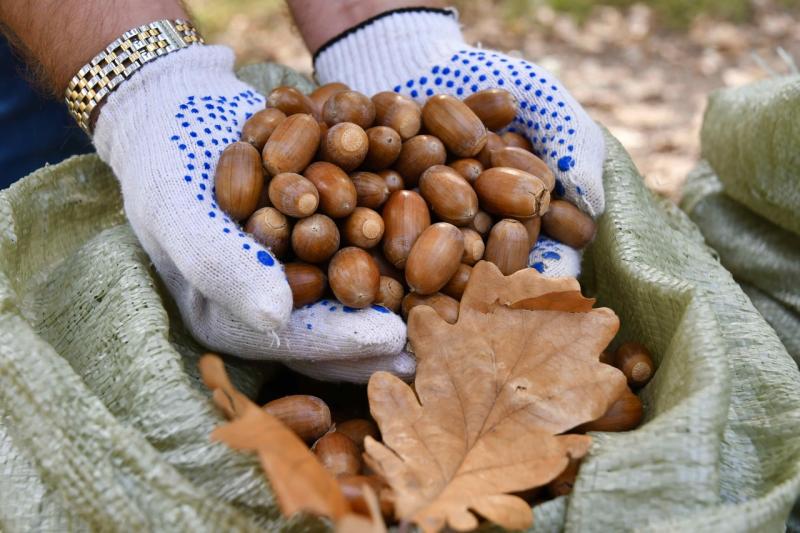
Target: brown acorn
321	94
405	216
495	107
308	416
390	293
512	193
363	228
357	429
512	138
371	189
635	362
393	179
384	266
417	155
271	228
291	101
482	223
384	147
624	415
434	258
338	454
308	283
354	277
458	127
532	226
345	144
493	142
352	487
349	106
473	246
260	126
450	196
469	168
337	194
523	160
315	238
293	195
398	112
445	306
458	282
292	145
508	246
567	224
239	180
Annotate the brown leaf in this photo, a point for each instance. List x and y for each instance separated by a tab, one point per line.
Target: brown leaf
493	393
299	481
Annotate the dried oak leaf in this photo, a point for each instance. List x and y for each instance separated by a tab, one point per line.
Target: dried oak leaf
299	481
494	391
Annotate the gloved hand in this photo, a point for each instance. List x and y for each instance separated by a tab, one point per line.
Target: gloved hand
420	52
162	132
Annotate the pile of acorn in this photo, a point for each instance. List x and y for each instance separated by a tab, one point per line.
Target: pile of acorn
393	200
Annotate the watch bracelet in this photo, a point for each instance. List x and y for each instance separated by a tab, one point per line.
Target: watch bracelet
120	59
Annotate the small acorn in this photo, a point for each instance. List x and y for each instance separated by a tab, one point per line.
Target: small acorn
292	145
354	277
338	454
393	179
468	167
384	147
458	282
636	363
495	107
337	193
512	138
473	246
308	416
345	144
493	142
363	228
417	155
452	121
371	189
523	160
481	223
512	193
308	283
291	101
390	293
434	258
567	224
349	106
357	429
260	126
398	112
315	238
508	246
450	196
624	415
321	94
271	228
293	195
239	180
445	306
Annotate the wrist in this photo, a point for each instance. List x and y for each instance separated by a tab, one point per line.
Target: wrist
389	48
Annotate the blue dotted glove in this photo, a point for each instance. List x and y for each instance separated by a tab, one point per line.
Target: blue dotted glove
162	133
421	52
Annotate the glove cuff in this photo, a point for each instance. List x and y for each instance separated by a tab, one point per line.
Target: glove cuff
388	49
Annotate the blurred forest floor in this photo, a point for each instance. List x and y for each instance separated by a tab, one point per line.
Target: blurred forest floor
643	71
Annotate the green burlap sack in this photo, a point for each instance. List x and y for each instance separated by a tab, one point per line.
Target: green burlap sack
751	138
763	257
104	426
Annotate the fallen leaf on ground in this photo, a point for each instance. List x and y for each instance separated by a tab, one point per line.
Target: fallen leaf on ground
299	481
494	393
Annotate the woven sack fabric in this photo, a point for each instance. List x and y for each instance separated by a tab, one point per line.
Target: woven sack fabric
104	425
751	138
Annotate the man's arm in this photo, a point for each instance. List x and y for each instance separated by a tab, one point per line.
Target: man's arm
322	20
58	37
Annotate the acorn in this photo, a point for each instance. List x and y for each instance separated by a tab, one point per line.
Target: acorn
523	160
398	112
458	282
468	167
384	266
321	94
473	246
624	414
338	454
445	306
452	121
512	138
390	293
363	228
567	224
434	258
354	277
291	101
405	216
482	223
271	228
393	179
337	193
308	283
352	487
292	145
293	195
507	246
308	416
345	144
512	193
239	180
532	226
260	126
384	147
371	189
349	106
493	142
315	238
357	430
417	155
635	362
450	196
495	107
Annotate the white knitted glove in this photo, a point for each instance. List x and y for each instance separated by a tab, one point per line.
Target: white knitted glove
162	132
420	52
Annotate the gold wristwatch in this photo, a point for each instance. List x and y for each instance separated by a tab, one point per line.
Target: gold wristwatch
122	58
